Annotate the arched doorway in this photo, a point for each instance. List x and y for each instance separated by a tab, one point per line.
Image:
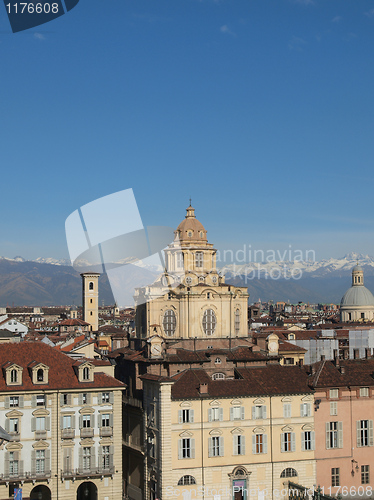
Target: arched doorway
87	491
240	483
40	492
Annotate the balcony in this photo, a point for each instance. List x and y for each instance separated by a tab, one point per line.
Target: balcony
40	435
15	436
25	476
68	433
87	432
93	472
106	431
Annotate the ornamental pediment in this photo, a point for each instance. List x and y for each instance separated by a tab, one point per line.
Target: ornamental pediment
13	414
237	430
86	410
40	445
307	398
185	404
259	401
287	428
259	430
286	399
307	427
215	432
40	412
236	402
215	403
185	434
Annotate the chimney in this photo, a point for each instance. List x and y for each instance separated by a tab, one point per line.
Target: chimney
203	389
342	370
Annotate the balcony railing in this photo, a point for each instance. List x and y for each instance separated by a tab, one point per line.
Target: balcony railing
25	476
15	436
106	431
68	433
94	471
87	432
40	435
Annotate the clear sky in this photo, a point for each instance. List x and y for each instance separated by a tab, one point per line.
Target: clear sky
261	110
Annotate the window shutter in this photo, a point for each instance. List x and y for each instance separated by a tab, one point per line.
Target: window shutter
6	464
33	401
210	412
80	398
231	413
20	467
92	419
221	447
358	432
73	421
370	433
253	412
111	455
313	440
192	418
327	435
242	412
47	423
93	457
254	445
192	444
301	410
61	400
47	459
235	445
293	441
33	461
282	442
210	447
265	441
111	397
61	422
80	458
69	399
243	445
180	455
263	411
220	413
33	424
308	410
7	402
100	458
340	434
303	436
7	423
89	398
180	417
80	421
110	419
21	402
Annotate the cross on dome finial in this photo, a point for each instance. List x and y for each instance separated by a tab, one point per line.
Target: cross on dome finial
190	202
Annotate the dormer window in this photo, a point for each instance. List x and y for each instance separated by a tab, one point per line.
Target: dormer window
86	373
13	374
189	234
40	375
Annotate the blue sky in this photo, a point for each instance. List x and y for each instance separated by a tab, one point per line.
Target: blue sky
261	110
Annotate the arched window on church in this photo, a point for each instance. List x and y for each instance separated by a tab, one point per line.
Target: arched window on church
91	285
209	322
237	321
169	322
179	260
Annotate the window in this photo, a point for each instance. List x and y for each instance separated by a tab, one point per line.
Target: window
169	322
215	414
40	400
14	425
86	457
365	476
216	446
185	416
85	398
218	376
258	412
289	361
40	461
305	410
364	433
289	472
333	408
364	392
307	441
14	401
286	410
14	376
287	441
218	361
66	422
186	481
91	285
86	373
40	375
334	393
65	399
209	322
186	448
237	413
152	446
334	435
238	444
199	256
13	463
105	397
105	457
237	322
179	260
86	421
335	476
208	295
105	420
259	444
40	424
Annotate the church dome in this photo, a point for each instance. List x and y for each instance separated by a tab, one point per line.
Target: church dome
357	269
190	229
357	296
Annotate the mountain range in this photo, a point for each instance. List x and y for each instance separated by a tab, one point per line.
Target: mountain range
48	281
